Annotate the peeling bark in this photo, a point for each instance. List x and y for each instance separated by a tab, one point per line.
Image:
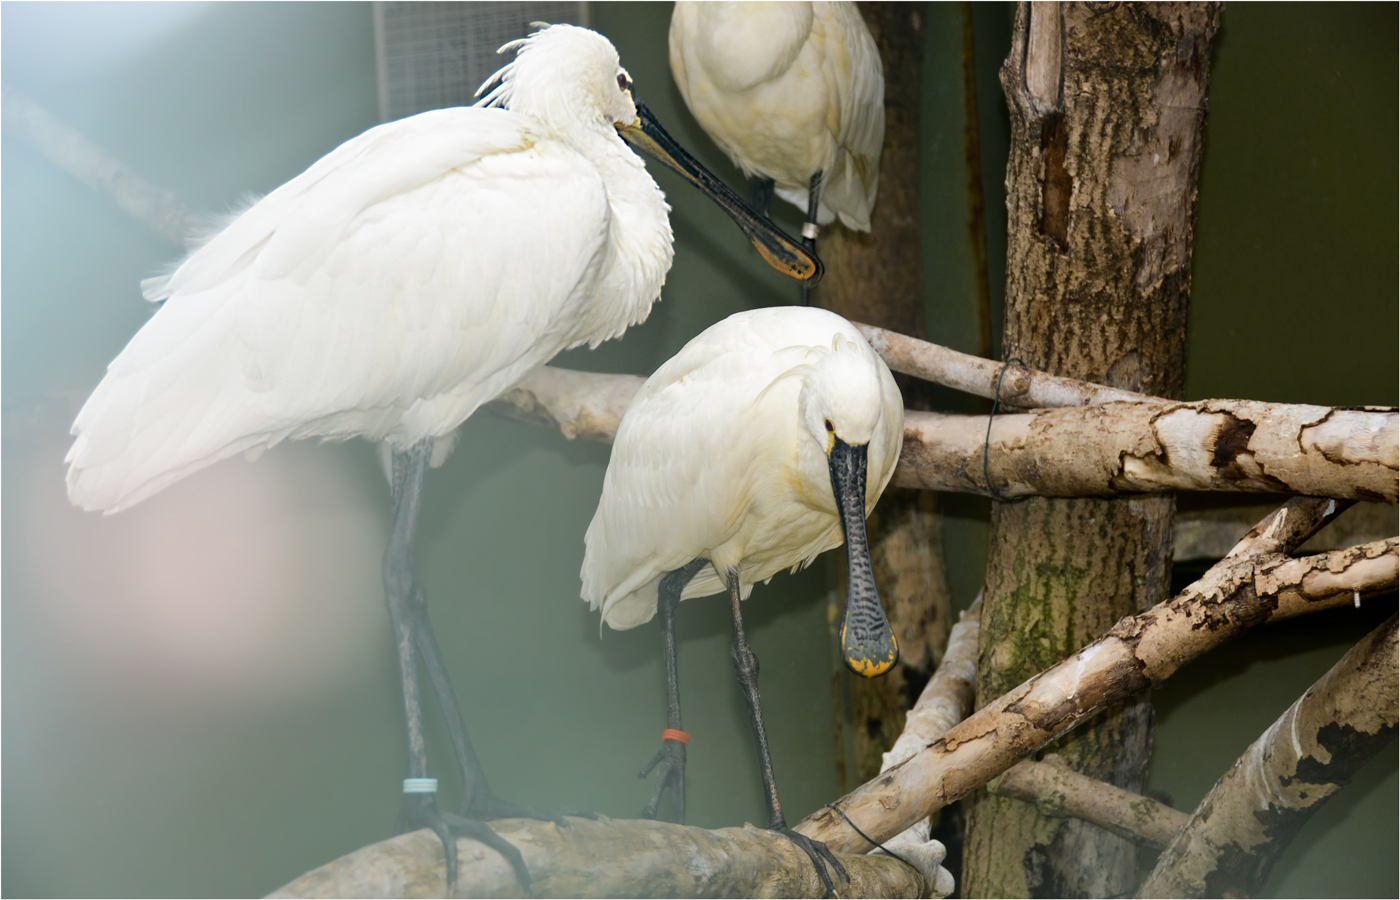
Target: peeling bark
1210	533
604	858
1246	822
1104	450
1121	448
1107	105
1057	790
1256	585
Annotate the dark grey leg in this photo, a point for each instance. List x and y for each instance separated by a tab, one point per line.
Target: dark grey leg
478	800
761	194
671	756
809	240
412	632
746	667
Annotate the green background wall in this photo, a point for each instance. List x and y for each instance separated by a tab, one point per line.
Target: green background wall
198	694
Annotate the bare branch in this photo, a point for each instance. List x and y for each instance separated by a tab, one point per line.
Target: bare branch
582	404
1021	386
158	209
1117	448
1210	533
944	702
606	858
1058	790
1256	586
1245	823
1098	451
947	698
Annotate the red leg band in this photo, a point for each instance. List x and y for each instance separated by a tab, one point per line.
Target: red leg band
675	734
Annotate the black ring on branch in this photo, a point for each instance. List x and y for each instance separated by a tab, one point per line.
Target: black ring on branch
840	812
986	441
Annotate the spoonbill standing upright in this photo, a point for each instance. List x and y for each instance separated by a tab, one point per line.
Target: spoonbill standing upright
763	442
795	95
414	273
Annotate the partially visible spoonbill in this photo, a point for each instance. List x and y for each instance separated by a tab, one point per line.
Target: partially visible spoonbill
794	93
764	441
414	273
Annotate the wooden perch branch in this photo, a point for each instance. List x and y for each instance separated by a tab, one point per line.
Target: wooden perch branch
947	698
1244	824
582	404
1058	790
1117	448
1257	584
604	858
1021	386
944	702
1103	450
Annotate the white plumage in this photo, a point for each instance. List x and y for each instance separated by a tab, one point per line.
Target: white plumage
723	456
788	90
414	273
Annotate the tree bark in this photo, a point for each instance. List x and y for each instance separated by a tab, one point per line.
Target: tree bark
1116	449
604	858
1105	450
1230	844
1258	584
1107	114
877	277
1057	790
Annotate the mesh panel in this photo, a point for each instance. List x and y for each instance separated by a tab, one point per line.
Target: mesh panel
432	55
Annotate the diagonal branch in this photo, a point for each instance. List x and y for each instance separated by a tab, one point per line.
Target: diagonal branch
1057	790
1255	585
1246	822
1020	386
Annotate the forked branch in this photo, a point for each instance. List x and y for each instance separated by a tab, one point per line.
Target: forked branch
1255	585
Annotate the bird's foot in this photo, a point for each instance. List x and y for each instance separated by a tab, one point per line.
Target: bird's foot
669	763
820	855
420	811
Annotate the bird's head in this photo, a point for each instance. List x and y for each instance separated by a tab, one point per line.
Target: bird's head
563	73
843	406
570	78
842	397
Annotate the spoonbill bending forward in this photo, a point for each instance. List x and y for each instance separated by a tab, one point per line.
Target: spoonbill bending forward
416	272
795	95
745	454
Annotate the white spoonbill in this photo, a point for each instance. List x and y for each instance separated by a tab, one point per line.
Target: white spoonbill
794	93
414	273
759	445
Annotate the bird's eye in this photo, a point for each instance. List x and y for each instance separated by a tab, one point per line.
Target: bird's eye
622	82
829	426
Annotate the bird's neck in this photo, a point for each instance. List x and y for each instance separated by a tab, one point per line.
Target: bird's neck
639	241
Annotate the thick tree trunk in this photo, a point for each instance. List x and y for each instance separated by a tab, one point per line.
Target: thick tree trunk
877	278
1107	112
